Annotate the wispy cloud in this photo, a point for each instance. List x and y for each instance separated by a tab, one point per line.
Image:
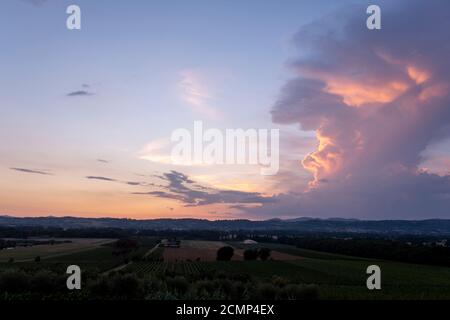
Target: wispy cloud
100	178
180	187
157	150
195	92
130	183
31	171
79	93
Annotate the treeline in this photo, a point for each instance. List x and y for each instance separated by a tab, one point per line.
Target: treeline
377	248
227	252
24	232
216	285
55	232
11	243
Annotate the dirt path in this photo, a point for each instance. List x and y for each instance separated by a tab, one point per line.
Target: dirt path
123	266
151	250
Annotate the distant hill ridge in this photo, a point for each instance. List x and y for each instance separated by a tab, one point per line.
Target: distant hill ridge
304	224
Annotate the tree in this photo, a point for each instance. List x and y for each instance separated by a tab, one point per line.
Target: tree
225	253
264	254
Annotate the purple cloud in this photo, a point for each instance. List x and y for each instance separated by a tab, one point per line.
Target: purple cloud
180	187
376	100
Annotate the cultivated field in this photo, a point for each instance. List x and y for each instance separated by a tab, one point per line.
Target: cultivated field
46	251
337	276
191	250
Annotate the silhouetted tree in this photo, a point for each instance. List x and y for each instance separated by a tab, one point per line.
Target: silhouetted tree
225	253
264	254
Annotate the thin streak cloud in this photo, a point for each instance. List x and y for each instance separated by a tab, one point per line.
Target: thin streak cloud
31	171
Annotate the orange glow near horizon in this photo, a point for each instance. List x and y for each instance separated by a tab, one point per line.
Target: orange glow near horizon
30	195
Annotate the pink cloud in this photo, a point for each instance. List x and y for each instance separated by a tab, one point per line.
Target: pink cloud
376	100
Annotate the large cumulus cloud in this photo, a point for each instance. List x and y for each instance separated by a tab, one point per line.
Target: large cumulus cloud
376	100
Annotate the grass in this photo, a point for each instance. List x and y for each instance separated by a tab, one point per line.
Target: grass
99	258
346	279
200	244
95	258
25	254
288	249
193	250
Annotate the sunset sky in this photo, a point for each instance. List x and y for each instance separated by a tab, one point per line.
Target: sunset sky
87	115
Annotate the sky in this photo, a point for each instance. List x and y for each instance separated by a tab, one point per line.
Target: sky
87	115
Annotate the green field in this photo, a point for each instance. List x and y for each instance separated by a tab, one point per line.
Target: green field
89	254
24	254
335	276
284	248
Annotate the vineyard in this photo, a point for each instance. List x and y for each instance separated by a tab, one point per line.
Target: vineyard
182	267
155	255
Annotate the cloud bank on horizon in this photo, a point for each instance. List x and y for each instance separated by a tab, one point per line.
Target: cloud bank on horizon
376	100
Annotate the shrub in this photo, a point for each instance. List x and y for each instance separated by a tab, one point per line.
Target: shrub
178	284
279	281
45	282
127	286
203	289
266	291
100	288
14	281
224	285
238	291
299	292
